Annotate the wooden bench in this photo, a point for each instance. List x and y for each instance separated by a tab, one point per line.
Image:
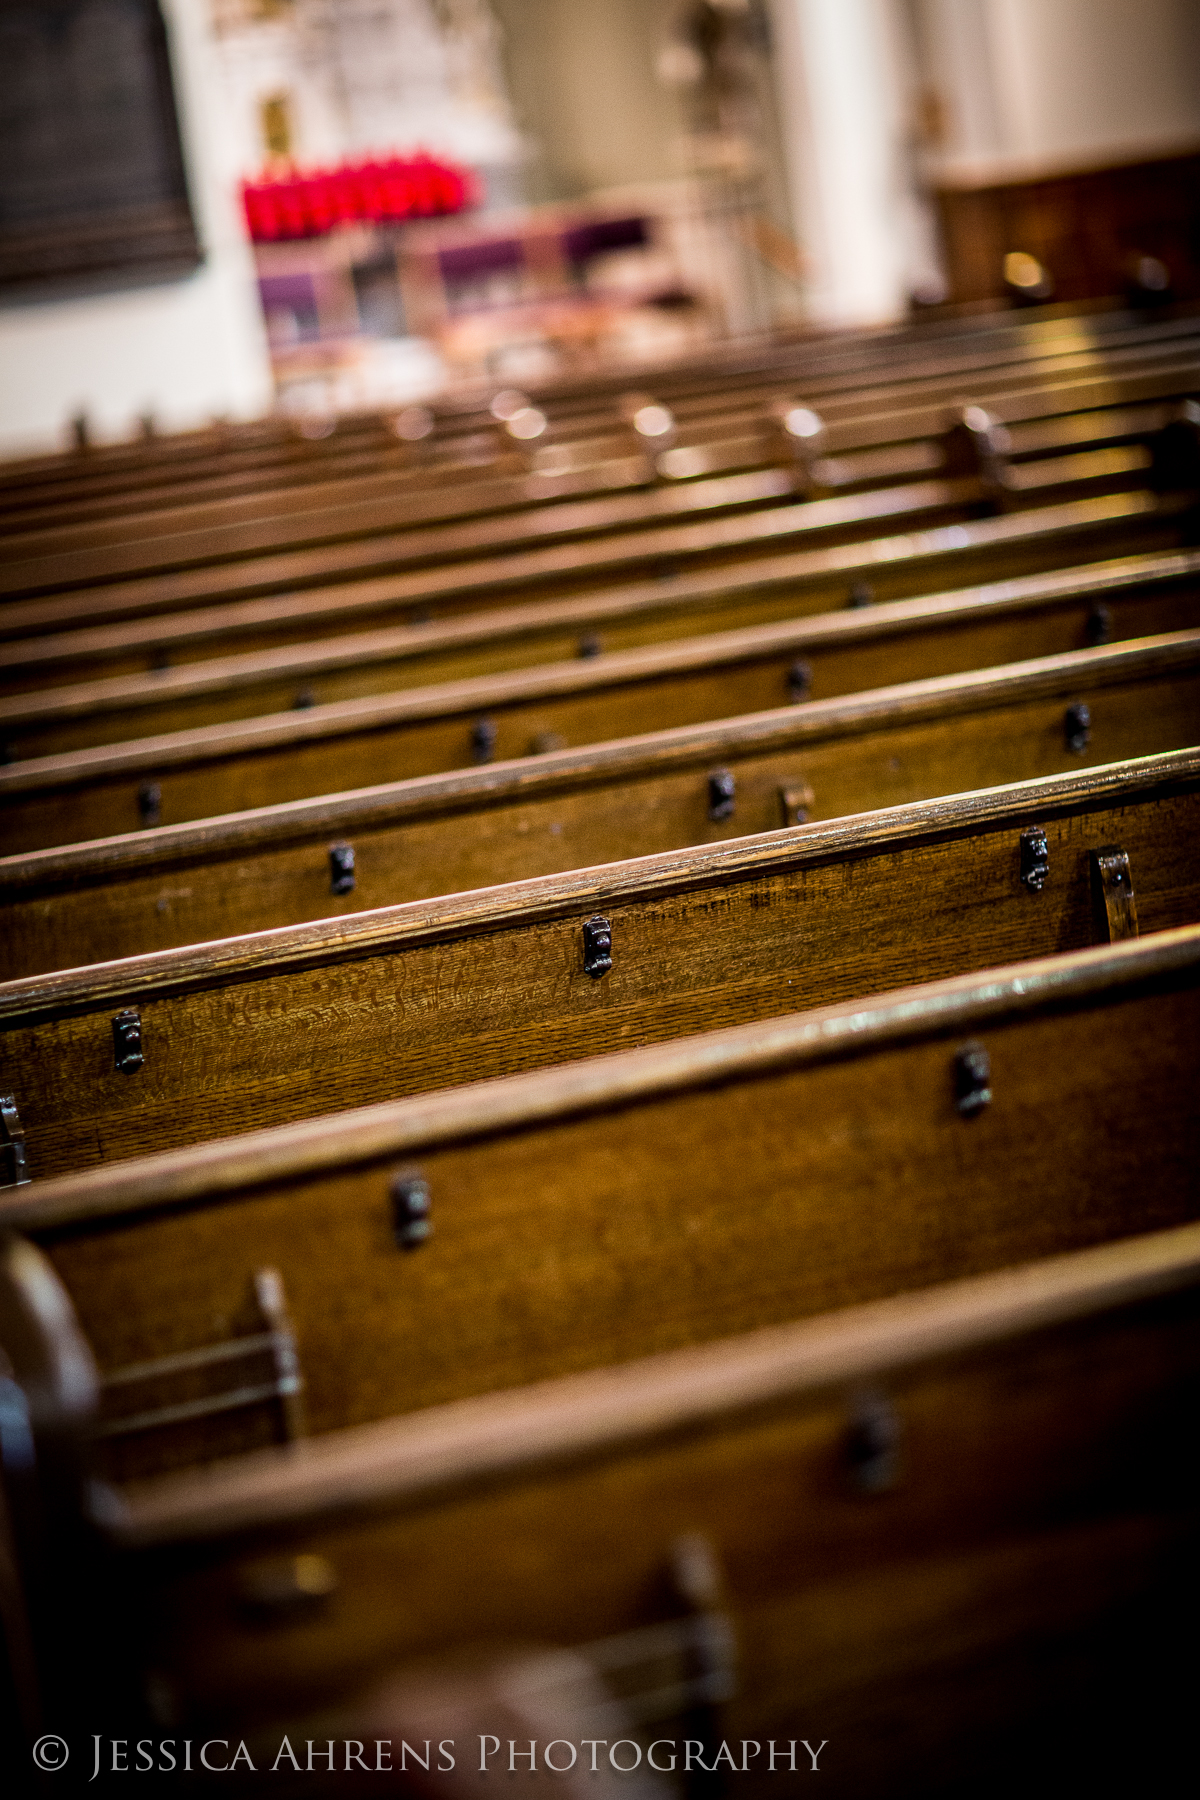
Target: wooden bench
782	586
219	1328
965	1510
175	1046
864	443
595	534
505	1232
626	797
256	454
492	715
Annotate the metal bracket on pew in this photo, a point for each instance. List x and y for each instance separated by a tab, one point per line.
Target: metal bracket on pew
275	1346
796	803
14	1170
1114	900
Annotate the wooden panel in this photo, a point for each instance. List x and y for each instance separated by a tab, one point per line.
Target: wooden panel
1041	1502
238	459
710	470
773	1170
716	676
629	532
255	1032
567	808
767	588
1087	229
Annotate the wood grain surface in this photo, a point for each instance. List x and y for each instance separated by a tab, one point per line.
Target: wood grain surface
1037	1494
666	1196
670	604
533	509
412	998
727	672
632	795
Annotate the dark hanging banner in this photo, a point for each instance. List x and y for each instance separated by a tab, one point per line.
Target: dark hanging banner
92	184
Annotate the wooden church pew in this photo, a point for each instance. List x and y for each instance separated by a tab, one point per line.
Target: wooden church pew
670	604
565	808
258	449
706	677
885	443
277	1336
950	1528
178	1046
710	517
482	1237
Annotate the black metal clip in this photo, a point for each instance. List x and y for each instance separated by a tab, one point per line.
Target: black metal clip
410	1209
873	1444
341	868
1077	725
483	740
14	1171
1035	859
1099	624
972	1079
800	680
150	803
127	1041
722	794
597	946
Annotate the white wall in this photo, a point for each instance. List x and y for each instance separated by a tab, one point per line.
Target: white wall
1036	86
1096	78
186	350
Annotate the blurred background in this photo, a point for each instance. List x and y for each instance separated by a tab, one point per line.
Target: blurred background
213	208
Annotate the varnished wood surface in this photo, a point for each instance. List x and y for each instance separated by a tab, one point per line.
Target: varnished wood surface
254	559
394	1130
273	450
647	792
488	477
550	1229
427	1454
412	998
1039	1494
880	442
631	1204
765	588
864	647
277	945
705	523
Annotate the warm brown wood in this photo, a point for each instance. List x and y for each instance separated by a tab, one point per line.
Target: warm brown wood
669	605
866	444
702	938
617	531
1041	1494
637	1203
712	676
264	451
642	1204
567	808
1088	227
619	1409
